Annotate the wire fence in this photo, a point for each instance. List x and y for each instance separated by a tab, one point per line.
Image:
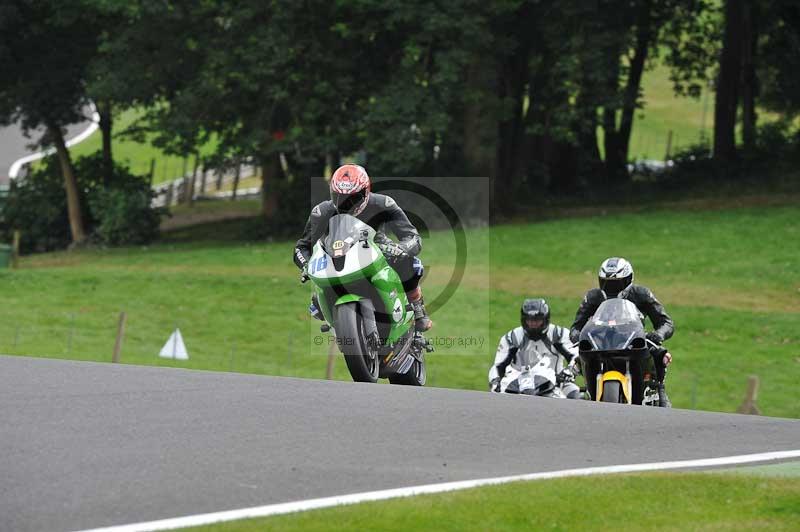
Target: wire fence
210	344
233	180
295	348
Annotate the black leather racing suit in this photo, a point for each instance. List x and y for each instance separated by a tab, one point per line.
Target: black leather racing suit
646	302
382	214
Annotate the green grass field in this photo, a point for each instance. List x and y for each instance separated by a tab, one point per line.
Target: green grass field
658	501
730	278
690	120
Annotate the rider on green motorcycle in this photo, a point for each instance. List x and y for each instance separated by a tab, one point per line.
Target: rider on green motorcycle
350	194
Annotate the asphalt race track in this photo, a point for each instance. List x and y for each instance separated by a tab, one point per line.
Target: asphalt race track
14	145
87	445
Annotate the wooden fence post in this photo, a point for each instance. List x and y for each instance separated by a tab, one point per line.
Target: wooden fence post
191	186
331	359
152	170
669	145
749	406
120	335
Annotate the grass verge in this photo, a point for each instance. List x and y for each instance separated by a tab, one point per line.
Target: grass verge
658	501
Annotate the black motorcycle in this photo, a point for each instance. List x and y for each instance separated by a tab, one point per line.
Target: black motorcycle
616	360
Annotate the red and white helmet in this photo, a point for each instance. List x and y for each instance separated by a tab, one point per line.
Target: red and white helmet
350	189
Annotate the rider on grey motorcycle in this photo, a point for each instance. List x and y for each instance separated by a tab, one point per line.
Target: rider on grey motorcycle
535	339
616	280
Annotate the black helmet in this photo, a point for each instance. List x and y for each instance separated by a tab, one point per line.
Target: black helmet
535	317
616	274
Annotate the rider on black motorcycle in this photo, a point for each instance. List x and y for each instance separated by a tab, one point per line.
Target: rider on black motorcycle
350	194
616	280
542	338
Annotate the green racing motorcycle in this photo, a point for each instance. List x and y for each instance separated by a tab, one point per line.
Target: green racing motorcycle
362	298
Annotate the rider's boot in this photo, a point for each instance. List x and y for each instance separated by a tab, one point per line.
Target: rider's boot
422	322
314	310
663	398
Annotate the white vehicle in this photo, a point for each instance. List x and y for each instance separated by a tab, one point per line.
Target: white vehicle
539	379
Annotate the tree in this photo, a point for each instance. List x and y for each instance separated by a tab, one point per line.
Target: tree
44	52
778	56
728	82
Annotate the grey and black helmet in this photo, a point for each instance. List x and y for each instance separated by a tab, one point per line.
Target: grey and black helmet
616	274
535	317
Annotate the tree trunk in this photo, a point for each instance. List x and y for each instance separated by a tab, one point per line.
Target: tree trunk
271	171
589	145
237	174
611	145
510	129
728	83
74	210
203	179
106	123
478	124
616	170
644	37
749	81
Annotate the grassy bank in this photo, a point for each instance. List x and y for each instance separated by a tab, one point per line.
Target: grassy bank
730	279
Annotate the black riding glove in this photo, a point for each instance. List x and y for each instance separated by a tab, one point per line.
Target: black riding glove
655	337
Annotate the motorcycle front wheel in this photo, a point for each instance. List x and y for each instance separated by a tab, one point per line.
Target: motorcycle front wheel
416	376
362	362
612	392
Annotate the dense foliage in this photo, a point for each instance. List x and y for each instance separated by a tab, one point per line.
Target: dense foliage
118	214
540	95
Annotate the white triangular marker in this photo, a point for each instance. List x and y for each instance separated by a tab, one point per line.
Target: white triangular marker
175	348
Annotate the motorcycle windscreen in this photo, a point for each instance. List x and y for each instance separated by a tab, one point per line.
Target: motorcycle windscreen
344	231
614	327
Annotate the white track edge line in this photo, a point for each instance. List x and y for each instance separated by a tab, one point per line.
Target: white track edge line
354	498
16	166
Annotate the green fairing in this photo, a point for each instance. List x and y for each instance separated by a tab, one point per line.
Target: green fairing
348	298
385	281
364	273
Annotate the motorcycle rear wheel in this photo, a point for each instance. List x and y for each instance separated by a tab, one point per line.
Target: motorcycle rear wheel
612	392
362	362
